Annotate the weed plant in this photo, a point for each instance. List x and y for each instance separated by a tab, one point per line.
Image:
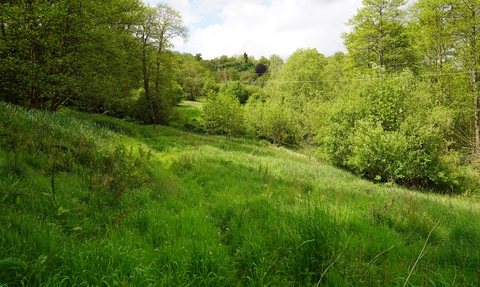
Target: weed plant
84	204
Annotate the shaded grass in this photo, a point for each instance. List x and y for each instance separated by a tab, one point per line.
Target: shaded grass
212	213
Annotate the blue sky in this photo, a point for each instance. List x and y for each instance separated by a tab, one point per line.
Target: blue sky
262	28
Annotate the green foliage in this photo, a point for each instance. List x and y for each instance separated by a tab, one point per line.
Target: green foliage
378	36
121	170
391	130
269	120
161	92
286	116
229	68
376	153
248	77
335	75
81	206
300	79
236	89
387	103
222	114
195	79
51	55
92	56
432	29
343	116
158	108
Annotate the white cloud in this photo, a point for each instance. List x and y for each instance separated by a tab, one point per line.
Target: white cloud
263	28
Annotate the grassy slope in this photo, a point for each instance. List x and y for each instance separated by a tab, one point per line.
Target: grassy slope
212	213
190	117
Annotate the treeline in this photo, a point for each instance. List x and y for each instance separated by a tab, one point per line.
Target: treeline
112	57
400	106
109	56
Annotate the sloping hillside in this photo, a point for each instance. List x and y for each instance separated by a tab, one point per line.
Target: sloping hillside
91	200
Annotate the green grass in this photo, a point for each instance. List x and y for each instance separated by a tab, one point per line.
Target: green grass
78	206
189	116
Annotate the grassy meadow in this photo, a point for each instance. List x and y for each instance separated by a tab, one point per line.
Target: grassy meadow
88	200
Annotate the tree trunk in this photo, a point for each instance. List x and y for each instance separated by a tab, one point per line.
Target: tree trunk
59	99
380	47
2	27
35	97
477	116
474	79
146	83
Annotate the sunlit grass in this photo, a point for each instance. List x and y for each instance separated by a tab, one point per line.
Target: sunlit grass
211	212
189	116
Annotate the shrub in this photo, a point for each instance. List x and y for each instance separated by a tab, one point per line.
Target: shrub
236	89
271	121
222	114
377	154
391	130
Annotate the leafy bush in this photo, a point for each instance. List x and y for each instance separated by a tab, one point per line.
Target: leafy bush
391	130
159	107
377	154
121	170
271	121
236	89
222	114
342	119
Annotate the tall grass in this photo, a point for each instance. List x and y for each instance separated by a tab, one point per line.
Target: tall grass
162	207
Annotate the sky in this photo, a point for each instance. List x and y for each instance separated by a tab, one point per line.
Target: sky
262	27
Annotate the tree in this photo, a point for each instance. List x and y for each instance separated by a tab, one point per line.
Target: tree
275	60
300	79
270	120
447	35
334	75
391	129
275	64
431	28
264	61
236	89
467	22
194	78
160	26
228	75
378	35
297	85
222	114
260	69
434	28
58	52
248	77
